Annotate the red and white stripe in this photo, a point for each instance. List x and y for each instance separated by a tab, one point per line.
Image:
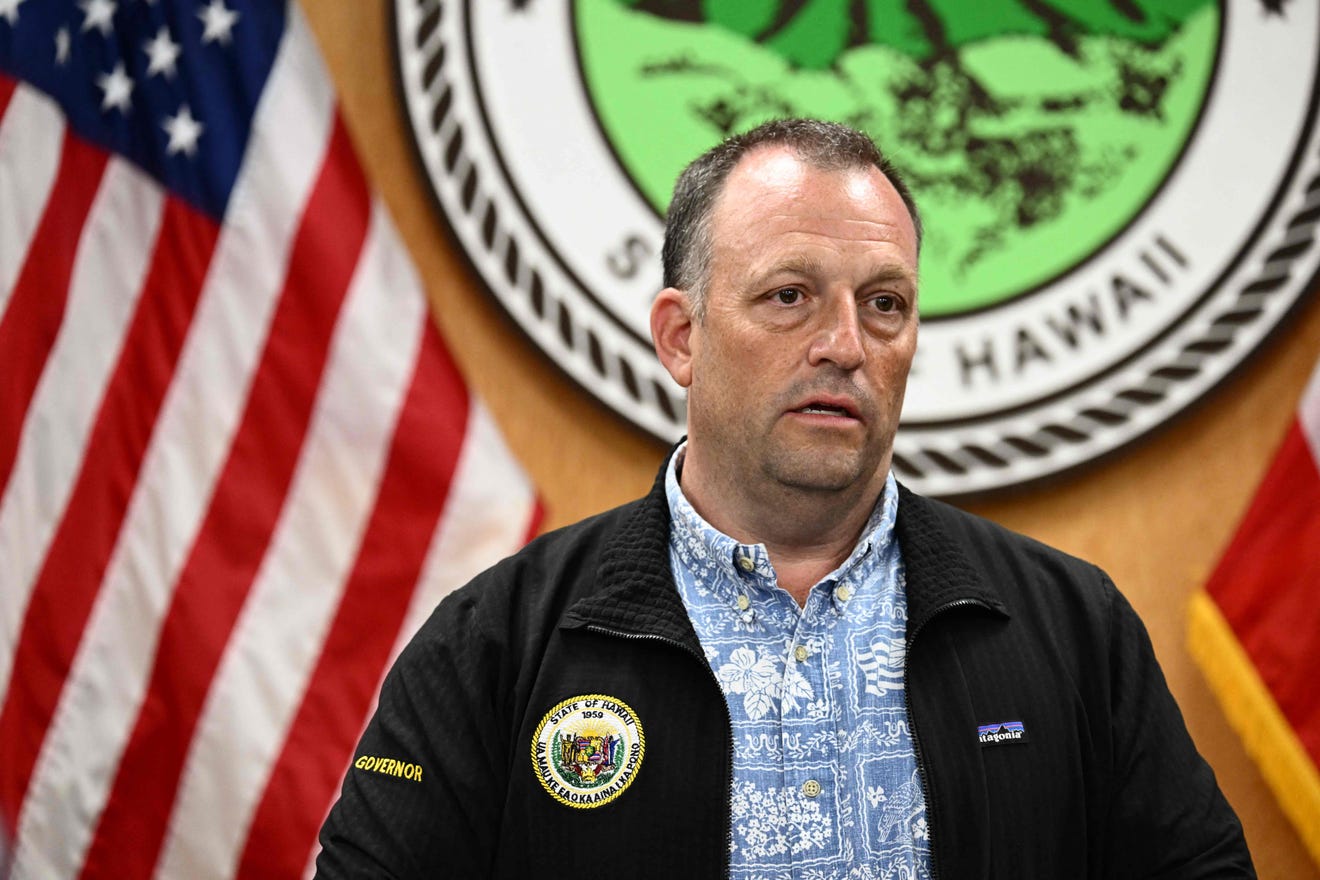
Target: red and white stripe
237	469
1308	415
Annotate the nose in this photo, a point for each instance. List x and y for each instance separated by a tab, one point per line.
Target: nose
838	338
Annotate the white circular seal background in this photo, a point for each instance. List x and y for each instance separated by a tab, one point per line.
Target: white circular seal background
1143	328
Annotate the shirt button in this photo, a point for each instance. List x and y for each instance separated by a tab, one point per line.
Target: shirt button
843	593
746	563
811	788
800	653
744	603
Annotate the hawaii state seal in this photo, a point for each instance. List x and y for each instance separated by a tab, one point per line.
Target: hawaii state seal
587	750
1121	198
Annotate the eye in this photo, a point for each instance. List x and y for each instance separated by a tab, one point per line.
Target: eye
787	296
886	302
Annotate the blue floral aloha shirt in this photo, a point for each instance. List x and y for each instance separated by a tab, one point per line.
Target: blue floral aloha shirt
825	780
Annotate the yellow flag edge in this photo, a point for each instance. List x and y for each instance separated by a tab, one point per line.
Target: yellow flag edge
1253	713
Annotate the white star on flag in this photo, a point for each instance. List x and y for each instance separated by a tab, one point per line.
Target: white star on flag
61	45
9	10
183	131
218	21
118	86
162	52
99	15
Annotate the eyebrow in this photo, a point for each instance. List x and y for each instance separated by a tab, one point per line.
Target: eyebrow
803	265
795	266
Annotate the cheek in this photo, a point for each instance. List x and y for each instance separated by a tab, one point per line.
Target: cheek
725	362
900	365
891	372
733	389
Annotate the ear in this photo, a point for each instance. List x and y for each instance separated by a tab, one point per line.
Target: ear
671	333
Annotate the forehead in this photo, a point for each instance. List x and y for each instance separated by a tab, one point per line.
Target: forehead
772	186
773	197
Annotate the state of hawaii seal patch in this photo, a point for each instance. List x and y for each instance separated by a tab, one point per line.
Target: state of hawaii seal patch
587	750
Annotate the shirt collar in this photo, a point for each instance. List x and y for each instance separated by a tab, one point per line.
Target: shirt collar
700	545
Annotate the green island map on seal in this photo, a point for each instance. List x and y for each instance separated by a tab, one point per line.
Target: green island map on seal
1031	137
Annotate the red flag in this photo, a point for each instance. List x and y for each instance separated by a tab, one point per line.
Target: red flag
237	466
1255	631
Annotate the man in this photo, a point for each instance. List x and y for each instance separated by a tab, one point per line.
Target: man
780	663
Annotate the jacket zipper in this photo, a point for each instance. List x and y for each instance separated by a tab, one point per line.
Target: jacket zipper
926	791
728	720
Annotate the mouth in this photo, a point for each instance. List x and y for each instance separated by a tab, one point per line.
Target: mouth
829	407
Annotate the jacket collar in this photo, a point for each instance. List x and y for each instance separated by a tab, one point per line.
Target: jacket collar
637	597
939	575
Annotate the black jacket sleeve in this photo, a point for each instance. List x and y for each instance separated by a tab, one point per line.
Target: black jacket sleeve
1168	818
425	791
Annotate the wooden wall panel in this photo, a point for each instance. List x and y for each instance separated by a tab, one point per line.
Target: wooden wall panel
1155	515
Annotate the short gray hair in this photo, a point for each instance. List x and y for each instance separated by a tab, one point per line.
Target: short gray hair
827	146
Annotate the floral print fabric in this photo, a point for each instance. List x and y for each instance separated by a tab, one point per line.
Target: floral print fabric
825	781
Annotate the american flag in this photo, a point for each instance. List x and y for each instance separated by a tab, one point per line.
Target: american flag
237	466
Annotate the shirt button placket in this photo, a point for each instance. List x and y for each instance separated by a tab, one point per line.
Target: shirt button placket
812	779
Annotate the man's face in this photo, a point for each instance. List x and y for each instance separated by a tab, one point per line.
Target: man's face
797	371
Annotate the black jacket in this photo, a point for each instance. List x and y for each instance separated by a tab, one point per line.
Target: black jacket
1106	783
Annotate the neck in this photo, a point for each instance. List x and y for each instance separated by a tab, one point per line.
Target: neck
807	532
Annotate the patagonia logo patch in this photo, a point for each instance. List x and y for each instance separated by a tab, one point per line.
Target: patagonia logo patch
587	750
1001	732
390	767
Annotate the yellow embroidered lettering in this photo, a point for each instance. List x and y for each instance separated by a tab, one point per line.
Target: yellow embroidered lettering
389	767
